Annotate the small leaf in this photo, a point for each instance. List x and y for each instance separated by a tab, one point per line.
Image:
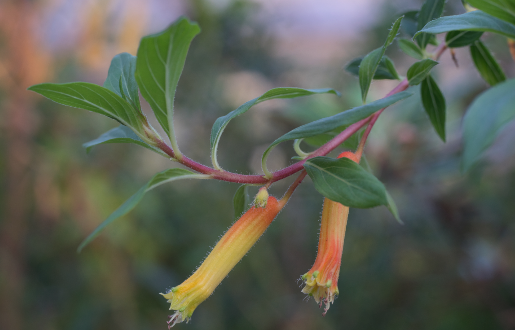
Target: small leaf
276	93
120	134
157	180
94	98
120	78
385	70
370	62
455	39
393	208
344	181
486	64
159	65
434	104
419	71
430	10
410	49
241	200
471	21
503	9
485	119
389	68
328	124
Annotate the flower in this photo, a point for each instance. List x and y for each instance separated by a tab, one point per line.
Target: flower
322	279
231	248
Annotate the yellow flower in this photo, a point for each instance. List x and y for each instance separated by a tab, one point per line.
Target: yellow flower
236	242
322	279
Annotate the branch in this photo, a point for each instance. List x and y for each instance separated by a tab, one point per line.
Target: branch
292	169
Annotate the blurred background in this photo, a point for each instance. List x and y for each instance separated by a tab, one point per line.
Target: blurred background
450	266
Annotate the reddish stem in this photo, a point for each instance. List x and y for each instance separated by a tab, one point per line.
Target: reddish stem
292	169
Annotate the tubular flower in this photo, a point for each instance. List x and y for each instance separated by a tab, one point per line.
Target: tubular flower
322	279
236	242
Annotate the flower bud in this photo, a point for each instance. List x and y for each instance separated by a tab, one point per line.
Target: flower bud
231	248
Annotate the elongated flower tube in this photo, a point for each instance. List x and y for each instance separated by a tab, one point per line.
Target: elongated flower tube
322	279
236	242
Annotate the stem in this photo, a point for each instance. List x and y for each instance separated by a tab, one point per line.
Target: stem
292	169
292	188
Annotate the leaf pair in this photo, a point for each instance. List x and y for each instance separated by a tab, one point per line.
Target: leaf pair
370	63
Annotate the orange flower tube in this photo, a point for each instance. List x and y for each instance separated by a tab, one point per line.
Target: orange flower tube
231	248
322	279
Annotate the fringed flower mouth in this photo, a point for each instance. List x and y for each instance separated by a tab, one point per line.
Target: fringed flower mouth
322	279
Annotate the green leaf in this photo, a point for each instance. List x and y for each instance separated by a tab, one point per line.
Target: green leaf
485	119
434	104
419	71
486	64
385	70
393	208
455	39
328	124
241	200
344	181
94	98
159	65
472	21
410	22
120	78
503	9
157	180
411	49
430	10
120	134
276	93
370	62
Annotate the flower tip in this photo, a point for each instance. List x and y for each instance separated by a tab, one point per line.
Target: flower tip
261	198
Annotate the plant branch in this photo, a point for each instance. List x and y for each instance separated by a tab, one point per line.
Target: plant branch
292	169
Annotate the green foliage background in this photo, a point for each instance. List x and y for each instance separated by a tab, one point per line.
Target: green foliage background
451	266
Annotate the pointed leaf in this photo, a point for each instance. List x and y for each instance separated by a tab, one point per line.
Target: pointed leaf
276	93
157	180
392	207
486	64
159	65
434	104
419	71
430	10
94	98
385	70
121	80
328	124
485	119
370	62
120	134
240	200
344	181
455	39
472	21
503	9
411	49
